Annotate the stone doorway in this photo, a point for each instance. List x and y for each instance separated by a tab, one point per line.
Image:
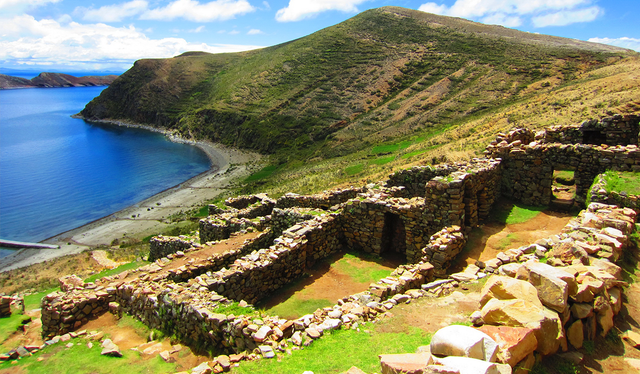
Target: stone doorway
394	236
563	190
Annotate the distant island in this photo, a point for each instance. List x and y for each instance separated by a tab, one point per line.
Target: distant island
55	80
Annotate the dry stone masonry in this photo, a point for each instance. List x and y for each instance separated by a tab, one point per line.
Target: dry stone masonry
423	214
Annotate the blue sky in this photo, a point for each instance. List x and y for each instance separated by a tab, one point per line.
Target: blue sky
75	35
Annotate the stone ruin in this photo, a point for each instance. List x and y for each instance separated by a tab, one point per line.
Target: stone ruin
423	214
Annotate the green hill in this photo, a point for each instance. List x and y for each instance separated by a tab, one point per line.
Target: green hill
385	75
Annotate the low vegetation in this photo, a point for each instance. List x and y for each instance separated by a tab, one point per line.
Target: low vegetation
622	181
341	350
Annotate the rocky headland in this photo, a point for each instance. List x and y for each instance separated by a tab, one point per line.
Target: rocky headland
47	80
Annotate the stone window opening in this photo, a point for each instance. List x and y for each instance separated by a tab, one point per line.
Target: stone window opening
595	137
394	236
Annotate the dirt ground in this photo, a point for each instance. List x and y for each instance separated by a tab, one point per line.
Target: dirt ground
324	281
490	238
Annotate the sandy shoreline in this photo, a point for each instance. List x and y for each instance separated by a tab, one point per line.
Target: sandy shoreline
146	217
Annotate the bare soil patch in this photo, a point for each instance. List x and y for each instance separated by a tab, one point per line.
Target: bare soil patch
331	279
490	238
431	314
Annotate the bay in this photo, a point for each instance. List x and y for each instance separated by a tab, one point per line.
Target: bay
58	173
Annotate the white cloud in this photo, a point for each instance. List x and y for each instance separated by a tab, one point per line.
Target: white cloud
218	10
301	9
255	32
502	19
46	42
234	32
198	29
113	13
23	4
567	17
512	13
624	42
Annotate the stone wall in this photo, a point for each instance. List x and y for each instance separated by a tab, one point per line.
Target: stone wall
616	130
528	170
323	200
221	226
529	159
256	275
161	246
444	246
599	194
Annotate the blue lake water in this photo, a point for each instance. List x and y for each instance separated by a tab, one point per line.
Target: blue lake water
58	173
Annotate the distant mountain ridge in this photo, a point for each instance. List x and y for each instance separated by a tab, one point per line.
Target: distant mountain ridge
55	80
383	74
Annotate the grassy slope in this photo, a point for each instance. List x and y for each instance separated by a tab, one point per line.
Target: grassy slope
384	74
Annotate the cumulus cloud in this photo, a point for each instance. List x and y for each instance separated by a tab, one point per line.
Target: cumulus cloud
113	13
218	10
46	42
567	17
624	42
255	32
512	13
301	9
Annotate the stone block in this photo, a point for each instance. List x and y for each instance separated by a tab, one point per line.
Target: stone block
458	340
408	363
515	343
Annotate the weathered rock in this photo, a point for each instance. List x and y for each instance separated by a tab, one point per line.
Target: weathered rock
605	319
575	334
525	366
554	285
468	365
266	351
581	310
69	282
262	333
544	322
515	343
503	288
458	340
409	363
615	298
203	368
109	348
632	337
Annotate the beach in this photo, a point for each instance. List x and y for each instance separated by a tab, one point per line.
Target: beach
148	216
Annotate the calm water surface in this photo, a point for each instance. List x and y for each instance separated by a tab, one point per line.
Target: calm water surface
58	173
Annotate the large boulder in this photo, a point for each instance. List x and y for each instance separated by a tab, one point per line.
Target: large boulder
410	363
554	285
503	288
458	340
514	343
545	323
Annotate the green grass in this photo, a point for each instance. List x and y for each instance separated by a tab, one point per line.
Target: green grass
82	359
353	170
365	273
622	181
383	160
10	324
506	241
262	174
118	270
295	307
516	213
337	351
414	153
388	148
